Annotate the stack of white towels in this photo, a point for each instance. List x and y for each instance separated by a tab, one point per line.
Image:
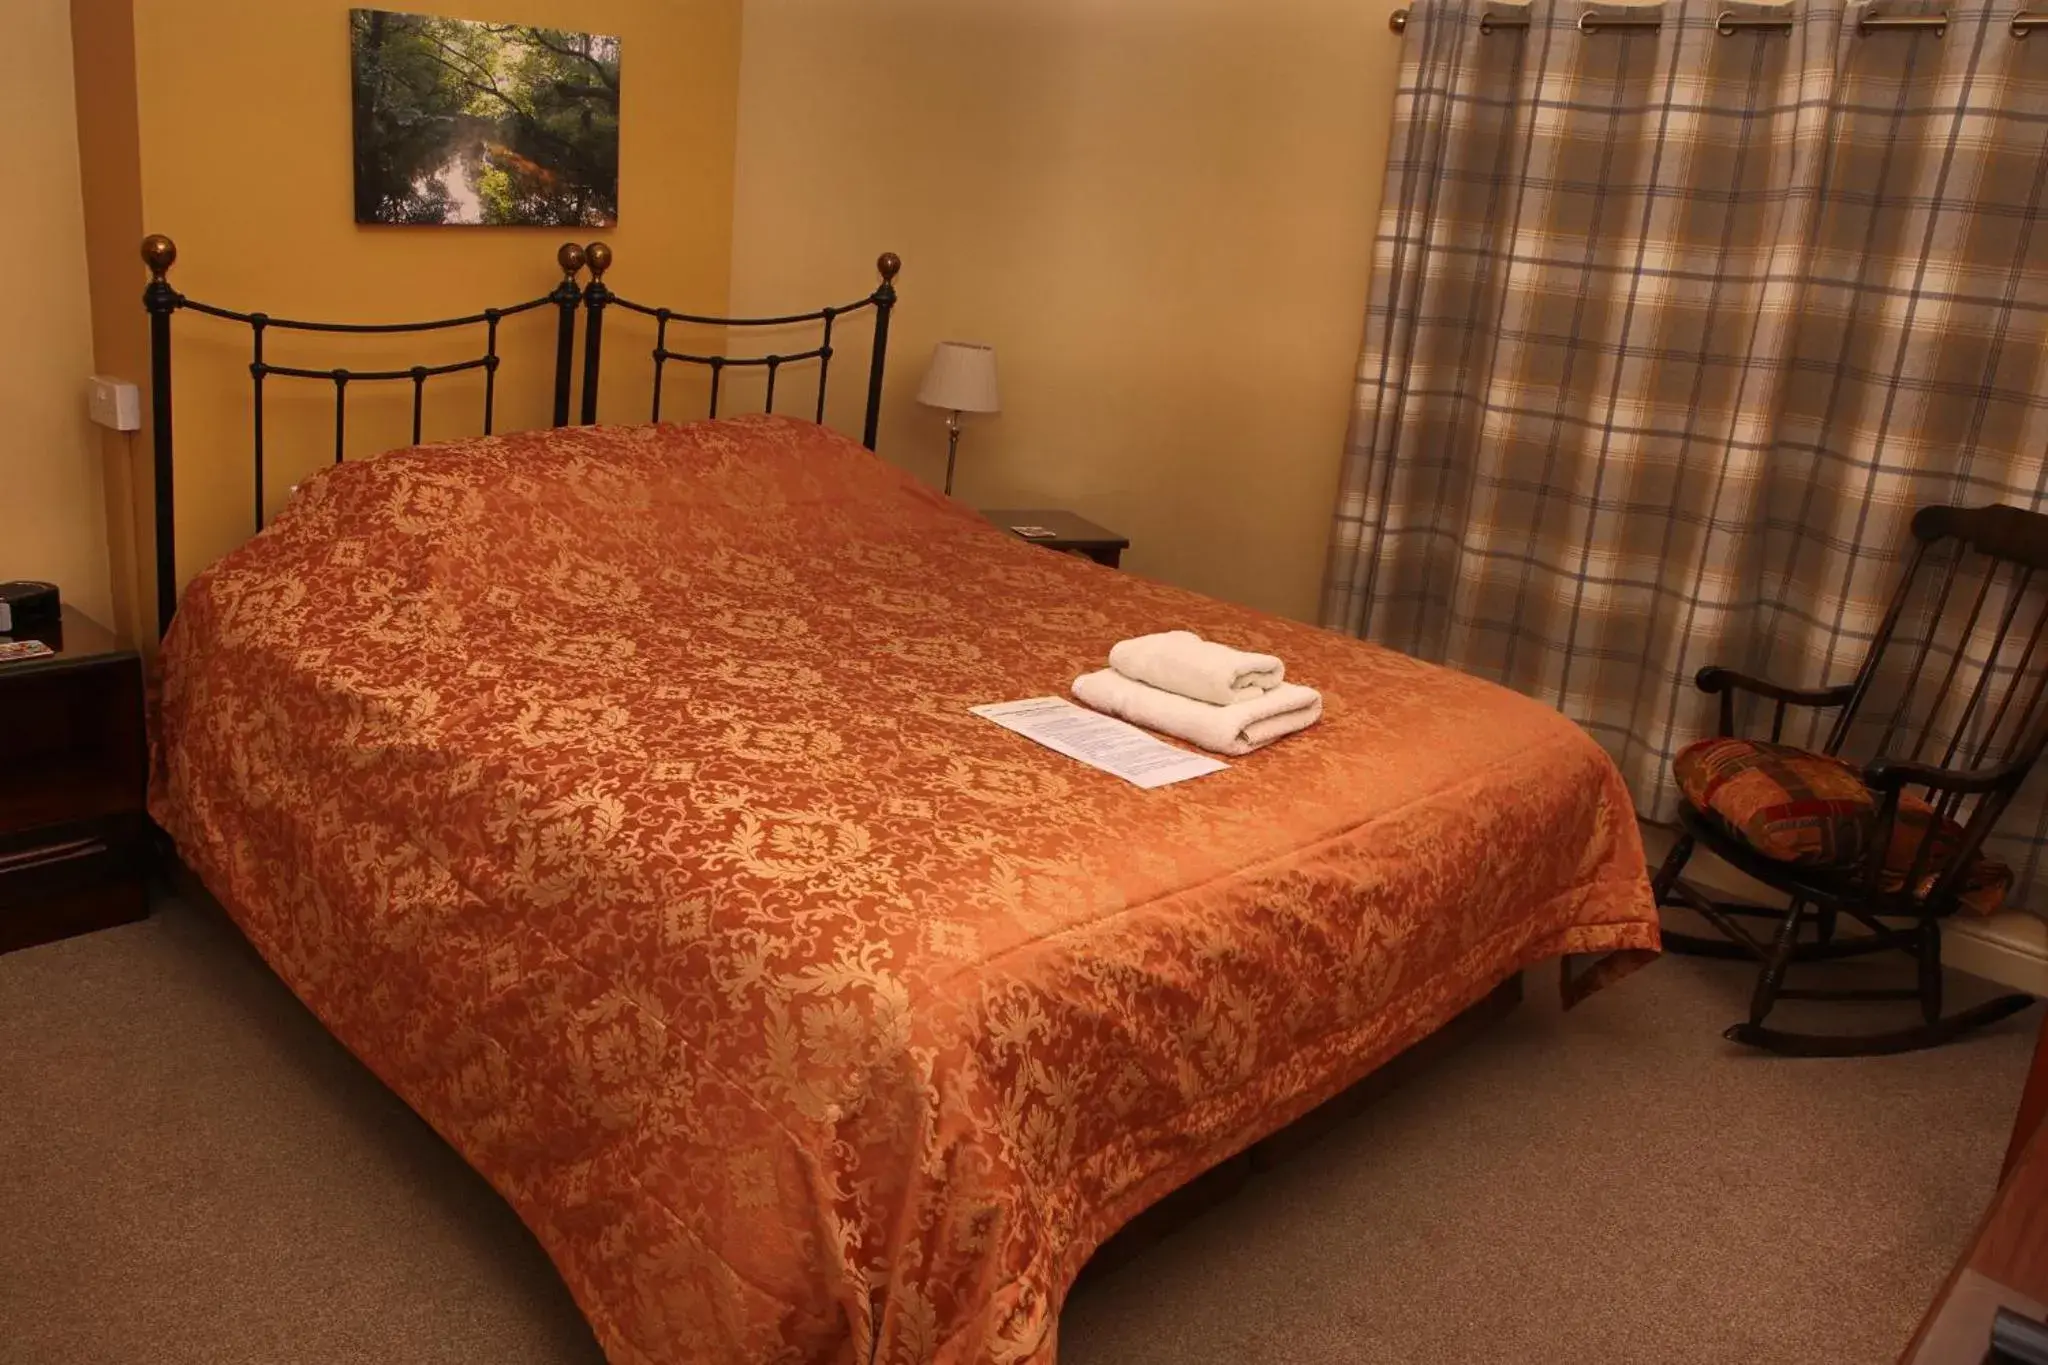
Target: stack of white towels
1223	699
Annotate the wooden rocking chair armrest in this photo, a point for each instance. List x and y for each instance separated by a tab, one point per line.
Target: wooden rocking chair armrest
1726	682
1719	680
1896	774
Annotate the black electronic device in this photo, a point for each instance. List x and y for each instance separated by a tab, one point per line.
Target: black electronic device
2017	1339
28	605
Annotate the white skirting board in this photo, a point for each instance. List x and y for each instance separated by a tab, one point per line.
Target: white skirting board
2009	949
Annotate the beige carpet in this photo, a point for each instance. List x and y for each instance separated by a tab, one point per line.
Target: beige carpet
192	1171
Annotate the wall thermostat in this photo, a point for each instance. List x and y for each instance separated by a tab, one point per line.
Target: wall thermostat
115	404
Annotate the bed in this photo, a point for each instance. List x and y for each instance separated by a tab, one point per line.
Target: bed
611	792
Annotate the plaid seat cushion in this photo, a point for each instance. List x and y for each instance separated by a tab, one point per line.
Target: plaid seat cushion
1785	803
1809	809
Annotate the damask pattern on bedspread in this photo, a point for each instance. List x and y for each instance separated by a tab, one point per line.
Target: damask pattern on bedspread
611	792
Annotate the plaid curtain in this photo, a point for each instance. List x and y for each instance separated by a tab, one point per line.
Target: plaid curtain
1672	330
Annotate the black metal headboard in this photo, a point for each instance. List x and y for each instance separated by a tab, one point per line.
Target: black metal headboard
598	296
159	253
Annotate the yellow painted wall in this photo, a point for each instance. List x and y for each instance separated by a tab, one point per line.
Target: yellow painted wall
1160	212
52	520
244	159
103	39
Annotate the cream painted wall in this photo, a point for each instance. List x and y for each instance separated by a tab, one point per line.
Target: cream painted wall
52	510
1160	213
1158	210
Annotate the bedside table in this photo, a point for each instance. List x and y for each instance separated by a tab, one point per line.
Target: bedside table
1075	535
74	765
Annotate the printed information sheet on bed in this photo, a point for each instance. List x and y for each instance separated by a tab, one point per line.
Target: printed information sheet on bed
1099	741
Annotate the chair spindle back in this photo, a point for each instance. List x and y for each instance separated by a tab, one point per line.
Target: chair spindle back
1974	605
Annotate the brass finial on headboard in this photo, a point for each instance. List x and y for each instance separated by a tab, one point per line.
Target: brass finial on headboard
159	253
888	263
570	258
598	257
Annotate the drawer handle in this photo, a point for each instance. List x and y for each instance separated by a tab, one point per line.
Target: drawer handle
51	854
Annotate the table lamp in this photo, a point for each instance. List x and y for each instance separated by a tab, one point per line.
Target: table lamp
962	378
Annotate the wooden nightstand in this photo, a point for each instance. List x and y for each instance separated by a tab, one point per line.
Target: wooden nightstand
74	766
1075	535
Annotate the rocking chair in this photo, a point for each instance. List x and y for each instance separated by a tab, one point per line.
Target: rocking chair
1855	841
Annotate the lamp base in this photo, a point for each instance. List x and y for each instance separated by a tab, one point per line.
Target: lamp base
952	449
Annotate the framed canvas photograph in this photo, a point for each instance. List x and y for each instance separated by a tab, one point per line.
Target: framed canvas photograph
462	122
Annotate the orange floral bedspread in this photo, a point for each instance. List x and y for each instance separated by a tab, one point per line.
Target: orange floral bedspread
612	794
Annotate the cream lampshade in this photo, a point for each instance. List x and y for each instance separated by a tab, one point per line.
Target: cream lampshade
961	378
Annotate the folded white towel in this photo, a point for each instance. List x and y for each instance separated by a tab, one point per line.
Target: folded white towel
1237	728
1183	662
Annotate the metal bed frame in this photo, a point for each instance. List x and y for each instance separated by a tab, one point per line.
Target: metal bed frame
569	297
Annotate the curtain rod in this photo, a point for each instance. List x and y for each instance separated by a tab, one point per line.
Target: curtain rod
1730	23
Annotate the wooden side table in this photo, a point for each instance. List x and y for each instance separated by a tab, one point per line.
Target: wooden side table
74	765
1062	531
2006	1265
2033	1104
